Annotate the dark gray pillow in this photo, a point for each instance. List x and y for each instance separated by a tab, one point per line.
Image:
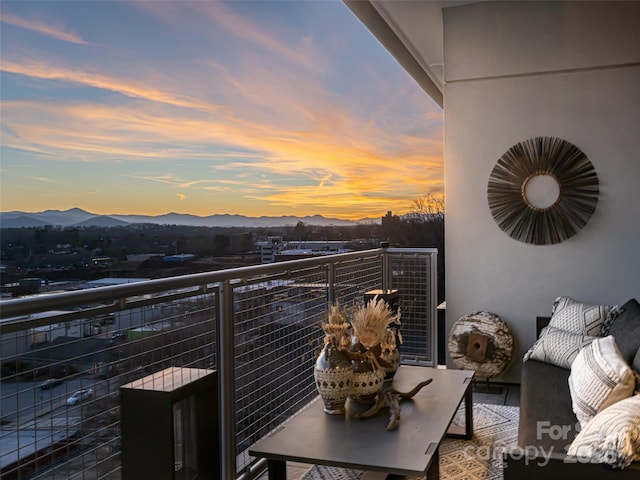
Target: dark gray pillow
636	362
626	330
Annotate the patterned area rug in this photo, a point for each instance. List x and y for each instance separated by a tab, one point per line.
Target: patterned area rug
494	428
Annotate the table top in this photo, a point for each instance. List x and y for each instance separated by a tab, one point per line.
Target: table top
313	436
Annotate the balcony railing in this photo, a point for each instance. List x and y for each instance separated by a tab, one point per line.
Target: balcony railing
258	326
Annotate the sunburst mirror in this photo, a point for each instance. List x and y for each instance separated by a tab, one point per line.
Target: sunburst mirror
542	191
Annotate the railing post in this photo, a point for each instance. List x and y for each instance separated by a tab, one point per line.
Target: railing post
386	267
331	283
225	340
433	270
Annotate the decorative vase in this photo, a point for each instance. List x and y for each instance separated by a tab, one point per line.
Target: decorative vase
333	374
367	378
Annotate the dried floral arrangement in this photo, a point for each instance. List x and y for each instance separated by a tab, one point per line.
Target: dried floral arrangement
374	325
371	322
336	328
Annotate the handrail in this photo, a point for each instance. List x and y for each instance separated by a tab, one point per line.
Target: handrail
19	307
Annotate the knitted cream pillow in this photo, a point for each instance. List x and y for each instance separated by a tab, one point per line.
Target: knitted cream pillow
612	436
578	317
573	325
558	347
599	377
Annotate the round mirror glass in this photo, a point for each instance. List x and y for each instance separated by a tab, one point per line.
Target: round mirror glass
541	191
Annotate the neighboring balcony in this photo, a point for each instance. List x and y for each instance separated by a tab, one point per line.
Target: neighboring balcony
64	356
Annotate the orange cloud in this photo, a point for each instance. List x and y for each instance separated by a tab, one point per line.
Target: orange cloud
127	87
360	169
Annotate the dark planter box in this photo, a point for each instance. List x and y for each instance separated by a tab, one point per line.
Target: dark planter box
169	423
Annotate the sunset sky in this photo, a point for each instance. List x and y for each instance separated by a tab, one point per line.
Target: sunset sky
253	108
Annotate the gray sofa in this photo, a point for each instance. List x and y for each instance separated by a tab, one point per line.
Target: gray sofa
548	426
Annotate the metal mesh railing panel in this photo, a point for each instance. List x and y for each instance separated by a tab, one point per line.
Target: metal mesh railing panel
411	275
354	278
49	433
277	327
276	324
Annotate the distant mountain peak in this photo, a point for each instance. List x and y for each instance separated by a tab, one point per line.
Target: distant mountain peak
81	218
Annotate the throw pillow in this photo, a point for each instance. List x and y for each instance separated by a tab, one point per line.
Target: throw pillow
573	325
612	436
599	377
626	330
578	317
558	347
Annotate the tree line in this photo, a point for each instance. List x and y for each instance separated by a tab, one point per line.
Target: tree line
71	249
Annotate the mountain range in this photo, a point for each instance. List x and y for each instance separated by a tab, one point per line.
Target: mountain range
77	217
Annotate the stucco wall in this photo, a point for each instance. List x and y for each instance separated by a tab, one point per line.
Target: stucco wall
515	71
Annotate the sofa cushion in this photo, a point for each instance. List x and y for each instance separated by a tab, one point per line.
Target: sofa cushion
636	361
626	330
612	436
577	317
558	347
546	418
573	325
599	377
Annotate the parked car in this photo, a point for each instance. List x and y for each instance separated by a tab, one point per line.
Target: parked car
79	396
50	383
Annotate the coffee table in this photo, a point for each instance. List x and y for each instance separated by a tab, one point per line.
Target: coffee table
313	436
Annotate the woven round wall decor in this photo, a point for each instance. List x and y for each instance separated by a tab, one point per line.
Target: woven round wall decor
565	169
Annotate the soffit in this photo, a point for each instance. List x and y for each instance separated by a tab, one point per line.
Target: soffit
412	31
418	25
496	40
